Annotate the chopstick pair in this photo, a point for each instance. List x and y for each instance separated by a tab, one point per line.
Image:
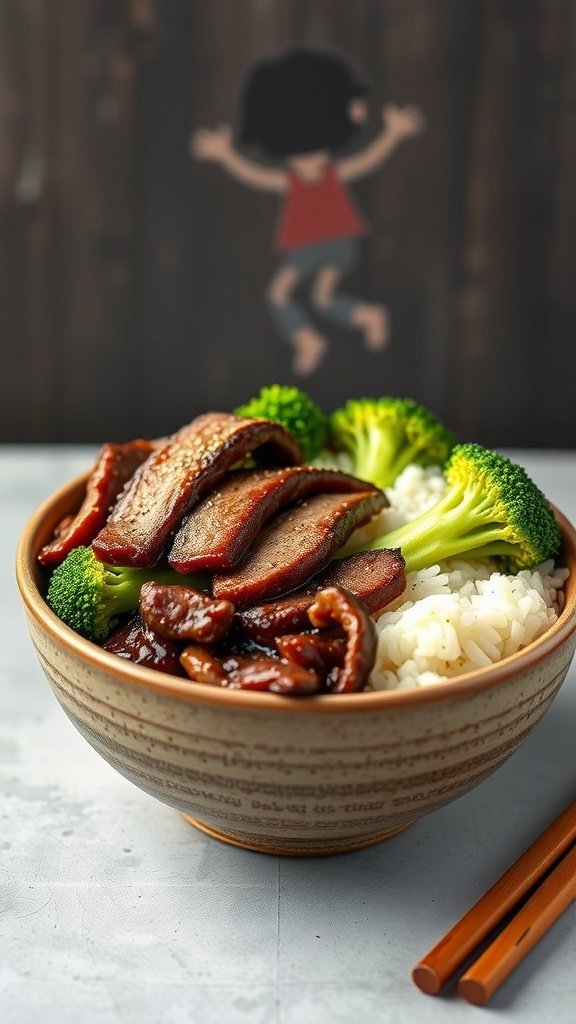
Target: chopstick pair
555	849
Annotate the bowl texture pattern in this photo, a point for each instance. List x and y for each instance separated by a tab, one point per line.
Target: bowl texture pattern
296	776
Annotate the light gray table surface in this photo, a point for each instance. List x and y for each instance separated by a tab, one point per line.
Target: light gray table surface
114	909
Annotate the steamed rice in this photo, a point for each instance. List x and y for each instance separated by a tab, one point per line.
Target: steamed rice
457	616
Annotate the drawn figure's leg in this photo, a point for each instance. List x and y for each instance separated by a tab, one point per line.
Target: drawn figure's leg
374	322
348	310
291	321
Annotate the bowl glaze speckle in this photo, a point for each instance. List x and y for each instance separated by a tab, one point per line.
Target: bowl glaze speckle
295	776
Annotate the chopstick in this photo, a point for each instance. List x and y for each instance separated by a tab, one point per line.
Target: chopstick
542	909
526	928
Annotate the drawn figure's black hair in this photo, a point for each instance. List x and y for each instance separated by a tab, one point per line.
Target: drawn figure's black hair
298	102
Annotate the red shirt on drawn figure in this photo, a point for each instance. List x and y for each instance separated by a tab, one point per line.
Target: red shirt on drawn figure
317	211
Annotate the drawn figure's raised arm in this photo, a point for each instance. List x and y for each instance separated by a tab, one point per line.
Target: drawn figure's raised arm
217	145
398	123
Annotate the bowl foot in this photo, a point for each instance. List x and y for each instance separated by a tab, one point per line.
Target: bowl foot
296	847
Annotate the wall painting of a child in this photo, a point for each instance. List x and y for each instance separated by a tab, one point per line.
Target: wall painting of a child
299	114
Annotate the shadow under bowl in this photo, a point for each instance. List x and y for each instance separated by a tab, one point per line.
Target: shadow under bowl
293	776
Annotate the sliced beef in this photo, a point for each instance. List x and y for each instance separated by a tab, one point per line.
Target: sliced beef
249	672
182	613
314	651
202	665
177	475
376	577
225	524
336	606
115	465
137	642
296	544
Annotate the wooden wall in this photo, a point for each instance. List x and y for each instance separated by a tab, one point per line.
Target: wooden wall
132	279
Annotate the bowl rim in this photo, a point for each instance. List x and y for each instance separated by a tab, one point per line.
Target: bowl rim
40	526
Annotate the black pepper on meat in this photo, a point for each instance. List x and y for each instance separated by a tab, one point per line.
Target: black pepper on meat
296	544
177	475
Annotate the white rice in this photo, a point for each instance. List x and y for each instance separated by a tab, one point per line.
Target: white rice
457	616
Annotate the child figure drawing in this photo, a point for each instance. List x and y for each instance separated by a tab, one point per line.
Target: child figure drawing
302	110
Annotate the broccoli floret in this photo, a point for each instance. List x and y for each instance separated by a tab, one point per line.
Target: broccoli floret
490	508
384	435
89	595
295	410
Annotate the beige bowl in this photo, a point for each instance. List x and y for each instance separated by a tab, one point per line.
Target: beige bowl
297	776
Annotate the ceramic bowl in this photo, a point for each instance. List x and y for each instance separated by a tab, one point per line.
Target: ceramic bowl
296	776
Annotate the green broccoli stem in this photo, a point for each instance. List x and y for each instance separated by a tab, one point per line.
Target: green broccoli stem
381	455
468	527
373	451
122	585
404	455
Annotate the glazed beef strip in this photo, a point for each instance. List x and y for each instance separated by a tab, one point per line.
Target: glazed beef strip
334	605
177	475
314	651
137	642
220	529
248	672
296	544
182	613
376	577
115	465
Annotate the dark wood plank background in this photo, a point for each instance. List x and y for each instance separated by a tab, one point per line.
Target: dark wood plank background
132	279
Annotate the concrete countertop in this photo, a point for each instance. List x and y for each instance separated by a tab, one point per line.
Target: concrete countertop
113	910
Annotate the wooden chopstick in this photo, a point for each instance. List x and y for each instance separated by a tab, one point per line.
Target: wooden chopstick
537	915
444	959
